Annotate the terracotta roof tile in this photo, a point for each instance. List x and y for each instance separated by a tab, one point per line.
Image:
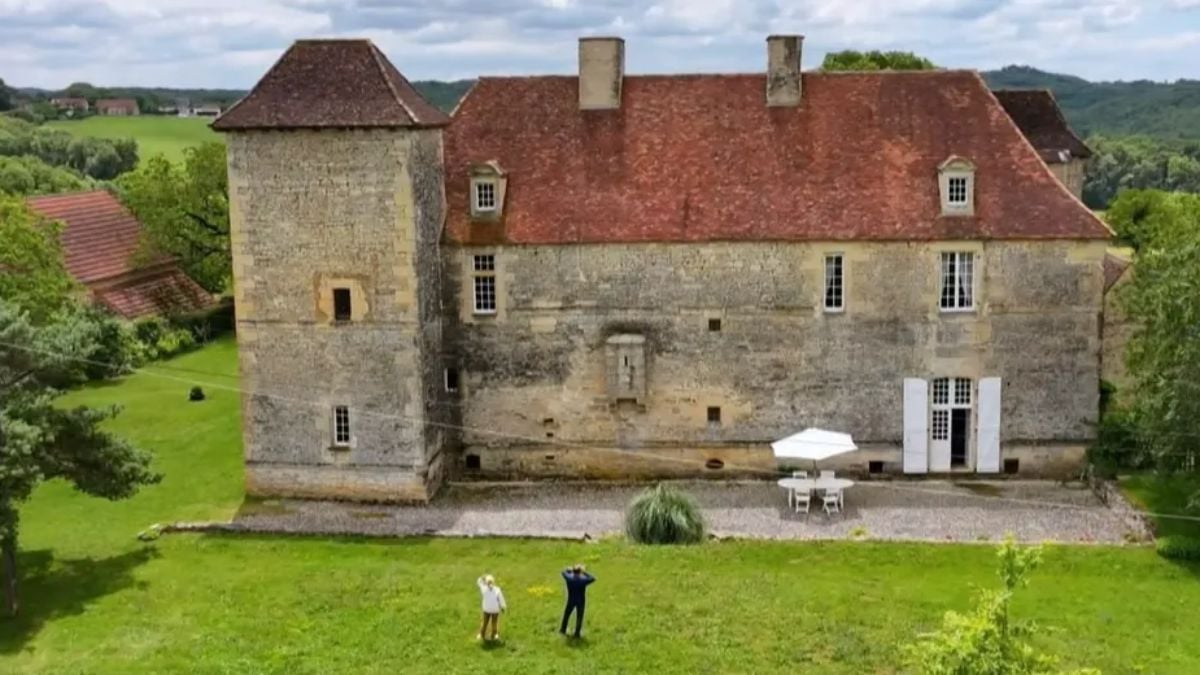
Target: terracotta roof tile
99	236
164	291
331	83
1041	120
701	157
99	239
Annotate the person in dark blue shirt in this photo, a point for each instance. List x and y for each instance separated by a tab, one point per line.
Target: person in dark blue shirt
577	582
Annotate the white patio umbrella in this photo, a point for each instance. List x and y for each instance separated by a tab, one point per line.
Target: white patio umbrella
813	444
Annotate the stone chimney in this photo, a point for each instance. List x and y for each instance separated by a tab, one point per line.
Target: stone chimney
783	70
601	69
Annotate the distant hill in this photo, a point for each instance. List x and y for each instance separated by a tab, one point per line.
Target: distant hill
1168	111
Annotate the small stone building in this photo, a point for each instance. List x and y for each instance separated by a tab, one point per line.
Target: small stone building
118	107
1040	119
614	276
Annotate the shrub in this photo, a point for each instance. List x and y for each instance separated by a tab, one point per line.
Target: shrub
207	323
664	515
1179	547
116	346
161	339
986	640
196	394
1117	446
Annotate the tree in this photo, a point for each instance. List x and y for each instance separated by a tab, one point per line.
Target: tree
31	176
32	272
875	60
6	96
184	211
1163	300
40	441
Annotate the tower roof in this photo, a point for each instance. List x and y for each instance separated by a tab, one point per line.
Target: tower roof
331	83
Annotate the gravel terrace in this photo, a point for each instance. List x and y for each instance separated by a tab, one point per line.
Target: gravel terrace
895	510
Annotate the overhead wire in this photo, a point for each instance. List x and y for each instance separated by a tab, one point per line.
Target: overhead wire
638	454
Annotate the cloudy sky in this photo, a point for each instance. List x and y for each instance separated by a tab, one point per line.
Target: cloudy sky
229	43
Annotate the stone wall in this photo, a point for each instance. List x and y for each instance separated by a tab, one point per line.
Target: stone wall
535	381
314	210
1071	174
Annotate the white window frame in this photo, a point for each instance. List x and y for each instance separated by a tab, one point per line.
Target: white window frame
957	258
483	276
947	394
964	203
477	186
446	380
840	282
340	439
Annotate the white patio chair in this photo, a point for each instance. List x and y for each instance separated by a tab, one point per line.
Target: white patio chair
792	493
831	502
802	498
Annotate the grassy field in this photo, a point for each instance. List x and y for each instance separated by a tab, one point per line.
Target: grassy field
1164	494
155	135
98	601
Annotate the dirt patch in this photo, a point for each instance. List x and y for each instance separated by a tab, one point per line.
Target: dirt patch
257	506
982	489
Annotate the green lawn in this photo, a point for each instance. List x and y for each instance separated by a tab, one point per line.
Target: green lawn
155	135
98	601
1165	494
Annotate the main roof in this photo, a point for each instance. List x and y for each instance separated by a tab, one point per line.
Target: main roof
1041	120
99	239
702	157
331	83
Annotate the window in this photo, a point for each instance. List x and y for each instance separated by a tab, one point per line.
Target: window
485	195
957	282
341	304
956	182
714	415
484	282
451	377
962	391
940	428
834	295
714	325
941	391
341	426
956	191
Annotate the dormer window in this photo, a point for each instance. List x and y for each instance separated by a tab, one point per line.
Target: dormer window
956	182
485	195
488	183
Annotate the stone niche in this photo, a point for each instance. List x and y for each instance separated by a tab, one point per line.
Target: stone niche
625	358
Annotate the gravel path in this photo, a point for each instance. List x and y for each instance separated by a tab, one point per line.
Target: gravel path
900	510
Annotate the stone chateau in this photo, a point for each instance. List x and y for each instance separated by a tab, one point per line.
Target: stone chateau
614	276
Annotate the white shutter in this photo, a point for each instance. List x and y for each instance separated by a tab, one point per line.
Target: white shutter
916	425
988	443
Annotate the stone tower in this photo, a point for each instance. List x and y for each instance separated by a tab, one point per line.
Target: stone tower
336	204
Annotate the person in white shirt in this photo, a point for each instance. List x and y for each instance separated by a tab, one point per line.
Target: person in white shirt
493	604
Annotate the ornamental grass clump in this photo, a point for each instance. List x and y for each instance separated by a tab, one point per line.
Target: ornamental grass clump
664	515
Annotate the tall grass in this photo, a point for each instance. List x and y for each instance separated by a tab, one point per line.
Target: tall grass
664	515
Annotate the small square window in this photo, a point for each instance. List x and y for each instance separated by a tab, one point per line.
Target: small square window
485	195
714	415
714	325
451	377
341	426
484	263
875	466
341	304
472	462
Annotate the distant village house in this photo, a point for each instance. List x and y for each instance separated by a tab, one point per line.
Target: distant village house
70	103
99	239
117	107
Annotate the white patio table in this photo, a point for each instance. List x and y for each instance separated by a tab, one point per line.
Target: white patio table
818	483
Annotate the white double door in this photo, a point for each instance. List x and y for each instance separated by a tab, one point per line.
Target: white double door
944	418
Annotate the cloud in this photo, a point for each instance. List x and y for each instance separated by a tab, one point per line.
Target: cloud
229	43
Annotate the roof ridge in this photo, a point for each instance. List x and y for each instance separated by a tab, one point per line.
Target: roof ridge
759	73
377	57
241	100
